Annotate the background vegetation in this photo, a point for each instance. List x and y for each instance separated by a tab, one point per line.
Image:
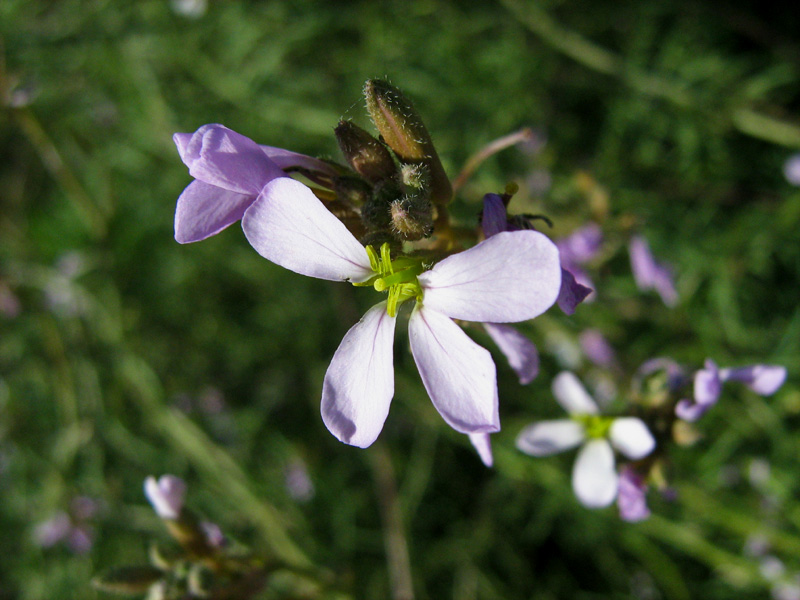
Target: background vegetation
124	354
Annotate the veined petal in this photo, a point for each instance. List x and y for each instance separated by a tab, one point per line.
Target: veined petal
286	159
764	380
483	446
594	479
289	226
572	396
494	218
359	383
519	350
550	437
205	210
511	276
221	157
458	374
631	436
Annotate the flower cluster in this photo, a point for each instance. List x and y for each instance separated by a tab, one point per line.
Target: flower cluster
381	220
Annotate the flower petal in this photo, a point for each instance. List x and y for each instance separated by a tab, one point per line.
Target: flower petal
550	437
650	274
519	350
458	374
764	380
166	495
494	218
572	396
631	500
594	479
582	245
205	210
286	159
483	445
512	276
690	411
359	383
221	157
571	292
289	226
631	436
707	384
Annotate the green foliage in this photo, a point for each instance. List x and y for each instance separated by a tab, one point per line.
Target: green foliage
663	118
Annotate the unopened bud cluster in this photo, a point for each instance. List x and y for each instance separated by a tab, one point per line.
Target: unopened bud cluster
397	177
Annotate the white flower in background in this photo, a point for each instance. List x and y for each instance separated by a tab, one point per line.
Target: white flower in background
166	495
594	477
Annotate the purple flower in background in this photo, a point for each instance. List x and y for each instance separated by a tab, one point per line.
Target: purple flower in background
520	352
166	495
71	529
597	349
791	169
230	170
594	478
495	220
631	499
578	248
650	274
513	276
764	380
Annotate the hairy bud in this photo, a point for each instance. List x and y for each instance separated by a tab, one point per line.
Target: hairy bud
404	132
352	190
366	155
412	218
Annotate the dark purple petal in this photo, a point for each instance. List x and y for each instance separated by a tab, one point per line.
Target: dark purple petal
494	218
631	499
571	293
519	350
204	210
764	380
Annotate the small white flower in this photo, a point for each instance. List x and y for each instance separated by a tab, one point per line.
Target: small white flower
166	495
594	478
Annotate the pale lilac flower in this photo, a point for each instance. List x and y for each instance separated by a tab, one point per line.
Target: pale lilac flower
513	276
166	495
483	446
594	478
631	498
213	534
495	219
230	170
597	349
650	274
791	169
764	380
70	529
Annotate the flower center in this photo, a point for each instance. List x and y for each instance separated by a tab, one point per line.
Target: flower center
596	426
398	277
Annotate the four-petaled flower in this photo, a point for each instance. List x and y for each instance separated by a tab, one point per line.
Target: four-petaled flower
512	276
764	380
594	478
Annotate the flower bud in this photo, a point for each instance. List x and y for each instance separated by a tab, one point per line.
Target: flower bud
404	132
366	155
352	190
375	213
412	218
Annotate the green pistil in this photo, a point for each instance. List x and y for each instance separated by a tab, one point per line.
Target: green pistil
596	427
398	277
